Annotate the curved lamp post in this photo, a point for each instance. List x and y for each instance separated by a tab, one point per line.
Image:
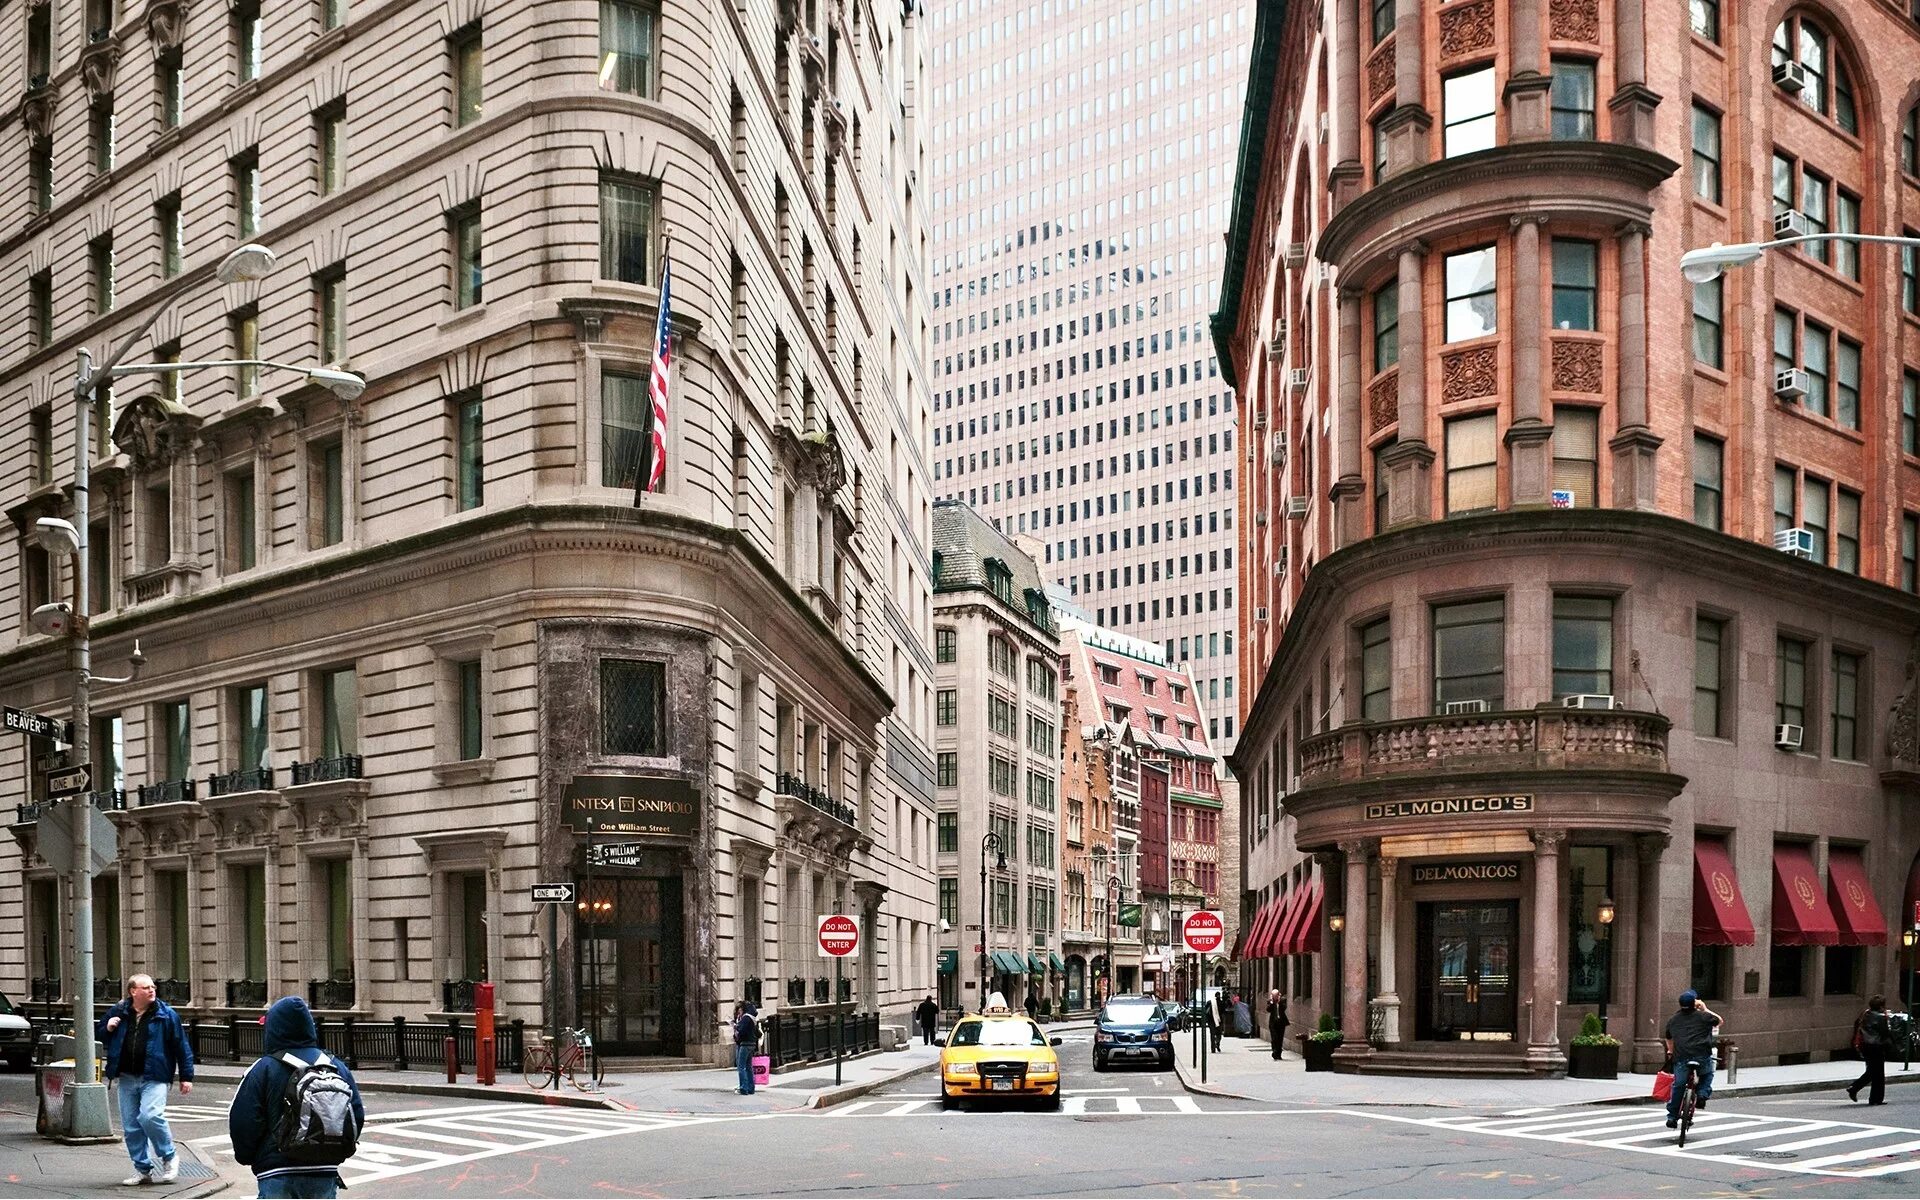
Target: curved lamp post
1709	263
989	844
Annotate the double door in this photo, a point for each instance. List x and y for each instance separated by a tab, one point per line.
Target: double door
629	965
1468	970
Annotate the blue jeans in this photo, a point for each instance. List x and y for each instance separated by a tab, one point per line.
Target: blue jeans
743	1059
143	1118
299	1187
1702	1090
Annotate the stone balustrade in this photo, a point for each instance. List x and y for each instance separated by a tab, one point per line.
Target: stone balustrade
1546	738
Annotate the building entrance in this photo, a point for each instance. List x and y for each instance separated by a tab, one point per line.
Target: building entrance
1467	971
629	965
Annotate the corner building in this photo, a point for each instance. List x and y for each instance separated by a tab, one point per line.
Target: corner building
410	654
1573	590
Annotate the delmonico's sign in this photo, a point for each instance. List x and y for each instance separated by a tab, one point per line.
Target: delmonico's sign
1467	872
644	805
1450	806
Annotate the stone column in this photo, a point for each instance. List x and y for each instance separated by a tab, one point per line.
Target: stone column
1633	446
1409	462
1353	951
1349	489
1543	1040
1347	175
1623	948
362	942
1633	101
1388	1001
1407	127
1643	1035
1528	118
1527	437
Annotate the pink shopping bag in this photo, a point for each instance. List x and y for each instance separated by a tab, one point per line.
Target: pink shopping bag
762	1070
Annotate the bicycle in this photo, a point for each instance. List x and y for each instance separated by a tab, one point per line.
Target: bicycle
1689	1100
578	1061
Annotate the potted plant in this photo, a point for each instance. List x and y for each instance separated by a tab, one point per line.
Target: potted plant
1595	1054
1318	1047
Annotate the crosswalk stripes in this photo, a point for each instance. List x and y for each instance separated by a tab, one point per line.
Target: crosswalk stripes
183	1113
1779	1143
1070	1106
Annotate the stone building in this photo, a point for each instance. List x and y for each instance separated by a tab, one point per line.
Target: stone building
1578	608
997	750
411	653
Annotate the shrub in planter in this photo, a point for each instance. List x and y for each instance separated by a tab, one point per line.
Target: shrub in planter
1594	1054
1318	1047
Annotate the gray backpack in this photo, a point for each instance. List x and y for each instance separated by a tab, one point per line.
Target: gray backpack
316	1124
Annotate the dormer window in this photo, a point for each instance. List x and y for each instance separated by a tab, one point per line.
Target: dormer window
1146	685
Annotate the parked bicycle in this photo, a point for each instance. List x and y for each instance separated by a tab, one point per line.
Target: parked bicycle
577	1060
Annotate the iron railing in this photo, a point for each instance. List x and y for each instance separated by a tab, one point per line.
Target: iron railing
107	991
400	1044
330	993
44	990
253	779
793	785
246	993
327	770
170	791
796	990
112	800
809	1037
174	991
32	811
456	995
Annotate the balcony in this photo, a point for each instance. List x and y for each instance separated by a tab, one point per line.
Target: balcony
1543	739
108	991
336	993
326	770
819	798
42	990
174	991
256	779
171	791
246	993
456	995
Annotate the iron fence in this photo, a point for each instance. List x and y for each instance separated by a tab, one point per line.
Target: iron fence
246	993
170	791
808	1037
400	1044
174	991
256	779
327	770
107	991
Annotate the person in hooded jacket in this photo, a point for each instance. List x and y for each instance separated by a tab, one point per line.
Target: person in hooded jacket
256	1106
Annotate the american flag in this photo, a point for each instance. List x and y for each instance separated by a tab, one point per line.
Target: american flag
657	386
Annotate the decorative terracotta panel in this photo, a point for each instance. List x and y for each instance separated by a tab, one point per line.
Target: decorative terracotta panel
1577	366
1466	28
1383	402
1574	21
1469	374
1380	73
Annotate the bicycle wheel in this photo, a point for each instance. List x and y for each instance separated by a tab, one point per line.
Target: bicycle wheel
589	1067
539	1068
1687	1100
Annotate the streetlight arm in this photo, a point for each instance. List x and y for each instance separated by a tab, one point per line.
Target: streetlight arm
170	368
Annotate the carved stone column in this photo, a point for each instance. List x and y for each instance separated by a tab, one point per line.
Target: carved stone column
1527	437
1353	951
1633	101
1347	175
1388	1001
1528	85
362	908
1407	127
1543	1036
1634	445
1349	489
1643	1037
1409	462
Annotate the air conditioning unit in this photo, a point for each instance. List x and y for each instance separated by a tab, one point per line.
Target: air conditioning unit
1589	700
1455	707
1296	508
1797	542
1298	379
1296	255
1790	386
1278	455
1260	614
1787	737
1789	75
1259	516
1280	562
1259	418
1790	222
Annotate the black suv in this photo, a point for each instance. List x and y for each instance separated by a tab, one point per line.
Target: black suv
1132	1028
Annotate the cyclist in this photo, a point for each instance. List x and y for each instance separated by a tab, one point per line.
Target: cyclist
1689	1039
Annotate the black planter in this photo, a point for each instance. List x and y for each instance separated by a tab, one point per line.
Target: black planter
1593	1062
1319	1055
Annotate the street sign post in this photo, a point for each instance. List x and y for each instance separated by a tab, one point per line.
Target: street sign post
616	854
553	893
1203	932
70	782
21	721
56	830
838	937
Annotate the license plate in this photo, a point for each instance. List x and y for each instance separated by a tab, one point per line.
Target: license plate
1001	1085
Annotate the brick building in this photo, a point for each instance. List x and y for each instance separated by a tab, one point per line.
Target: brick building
1572	589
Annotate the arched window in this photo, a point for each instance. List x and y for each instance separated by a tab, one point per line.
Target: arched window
1822	79
1910	141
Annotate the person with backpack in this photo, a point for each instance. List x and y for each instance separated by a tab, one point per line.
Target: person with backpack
1871	1037
144	1047
297	1115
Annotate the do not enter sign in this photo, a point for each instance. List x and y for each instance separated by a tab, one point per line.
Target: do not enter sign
839	936
1204	932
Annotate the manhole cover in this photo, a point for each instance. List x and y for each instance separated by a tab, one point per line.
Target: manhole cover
1771	1155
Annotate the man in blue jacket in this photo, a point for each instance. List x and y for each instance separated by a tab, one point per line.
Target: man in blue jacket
144	1047
256	1106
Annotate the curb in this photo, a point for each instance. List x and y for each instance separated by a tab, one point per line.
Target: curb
1193	1085
1737	1092
828	1097
465	1091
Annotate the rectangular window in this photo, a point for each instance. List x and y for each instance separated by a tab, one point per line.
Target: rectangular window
1376	671
40	435
1846	385
626	229
1707	323
1846	219
949	826
1790	686
246	41
1704	17
1785	483
1786	971
326	494
472	701
1910	271
251	743
945	645
167	228
100	124
174	722
332	297
1472	474
339	699
1909	552
40	308
1383	19
465	226
246	193
241	529
1576	284
469	450
1846	531
464	48
950	901
250	922
948	769
1576	454
157	525
1589	958
1582	646
1814	516
173	926
330	128
1386	327
1709	643
1909	412
627	32
1814	200
1470	653
1843	970
1380	476
1571	99
40	167
1469	105
633	697
1706	154
625	417
1709	469
246	349
1816	356
333	13
946	707
1846	705
100	262
169	86
1472	294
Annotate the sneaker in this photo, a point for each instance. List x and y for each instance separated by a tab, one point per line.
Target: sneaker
1673	1122
169	1170
136	1179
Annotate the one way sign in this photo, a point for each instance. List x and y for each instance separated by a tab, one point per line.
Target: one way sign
553	893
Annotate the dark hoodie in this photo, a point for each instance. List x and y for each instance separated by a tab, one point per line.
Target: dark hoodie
256	1105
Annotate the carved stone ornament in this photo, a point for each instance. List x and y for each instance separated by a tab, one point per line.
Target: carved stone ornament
1380	76
1574	21
36	111
166	24
1383	401
824	463
789	16
1466	28
1469	374
99	64
1577	366
1903	737
152	431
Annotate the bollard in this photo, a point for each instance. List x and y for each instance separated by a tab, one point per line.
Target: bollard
484	1062
483	1070
399	1044
453	1060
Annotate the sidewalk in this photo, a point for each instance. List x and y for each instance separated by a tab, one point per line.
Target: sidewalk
30	1165
1244	1069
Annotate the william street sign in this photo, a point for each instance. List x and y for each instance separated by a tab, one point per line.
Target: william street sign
21	721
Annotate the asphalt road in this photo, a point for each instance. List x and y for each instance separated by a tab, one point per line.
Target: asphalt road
1123	1133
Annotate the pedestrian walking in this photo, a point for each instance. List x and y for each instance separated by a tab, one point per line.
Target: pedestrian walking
928	1014
1242	1018
1210	1023
1222	1015
1277	1022
145	1048
746	1043
1033	1006
1871	1037
297	1114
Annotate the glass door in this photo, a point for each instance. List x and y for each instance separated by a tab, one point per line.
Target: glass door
1466	960
628	965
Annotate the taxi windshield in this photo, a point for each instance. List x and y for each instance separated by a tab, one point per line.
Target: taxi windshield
998	1033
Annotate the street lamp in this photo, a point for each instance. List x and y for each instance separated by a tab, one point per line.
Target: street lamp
990	844
1113	916
85	1113
1605	916
1335	924
1709	263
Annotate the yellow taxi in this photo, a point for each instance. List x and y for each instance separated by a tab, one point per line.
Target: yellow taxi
999	1054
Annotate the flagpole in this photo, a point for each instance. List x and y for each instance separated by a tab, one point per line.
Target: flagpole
643	482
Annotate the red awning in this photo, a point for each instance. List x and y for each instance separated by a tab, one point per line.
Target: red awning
1289	942
1269	926
1854	908
1239	944
1308	935
1800	913
1719	914
1257	932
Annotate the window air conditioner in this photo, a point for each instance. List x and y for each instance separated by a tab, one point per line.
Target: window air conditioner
1280	562
1259	516
1298	378
1789	75
1589	700
1454	707
1296	255
1326	126
1296	507
1790	386
1790	222
1787	737
1259	418
1278	455
1797	542
1260	614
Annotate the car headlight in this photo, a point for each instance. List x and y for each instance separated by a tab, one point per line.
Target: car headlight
1034	1069
962	1069
1158	1035
1101	1035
